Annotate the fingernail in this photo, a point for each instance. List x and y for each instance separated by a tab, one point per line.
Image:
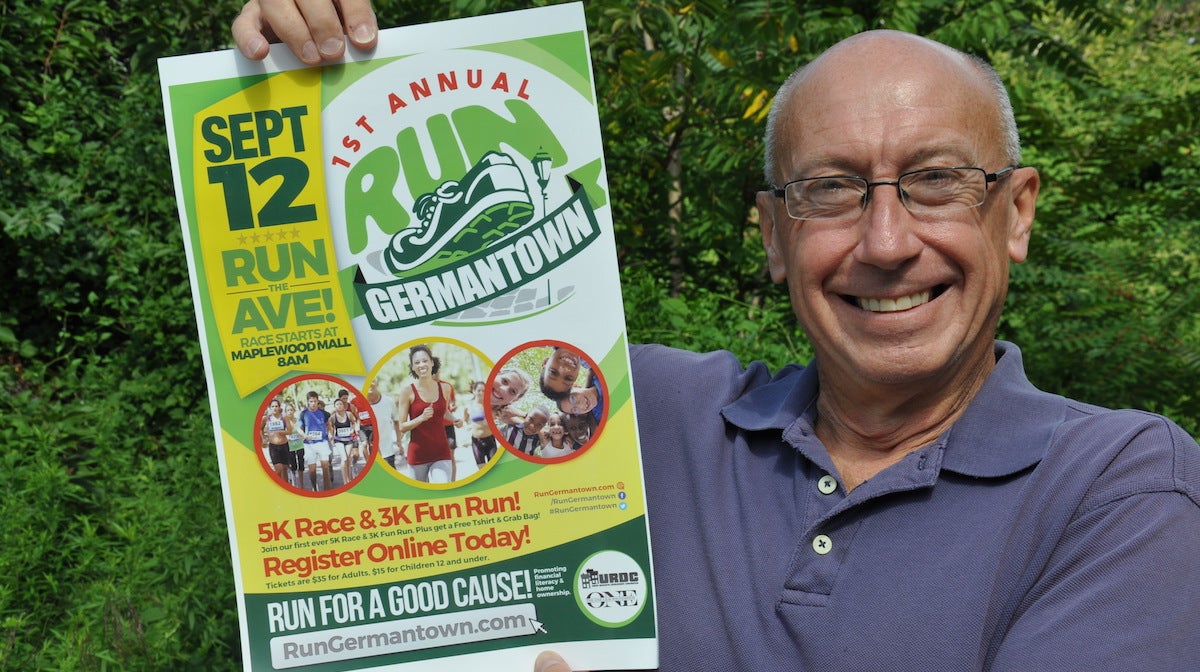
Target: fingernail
258	46
332	48
364	33
308	53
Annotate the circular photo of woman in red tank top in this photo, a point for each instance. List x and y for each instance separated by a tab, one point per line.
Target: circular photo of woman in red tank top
428	425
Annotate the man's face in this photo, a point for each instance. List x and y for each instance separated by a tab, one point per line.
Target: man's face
945	276
560	370
312	403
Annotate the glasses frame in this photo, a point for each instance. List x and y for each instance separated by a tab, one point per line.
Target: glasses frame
988	180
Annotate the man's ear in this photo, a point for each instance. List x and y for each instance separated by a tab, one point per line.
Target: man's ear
1025	183
768	208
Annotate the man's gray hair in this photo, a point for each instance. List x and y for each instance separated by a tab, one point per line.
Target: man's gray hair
1008	122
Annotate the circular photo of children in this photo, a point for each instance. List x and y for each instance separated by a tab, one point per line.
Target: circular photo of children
310	435
546	401
429	408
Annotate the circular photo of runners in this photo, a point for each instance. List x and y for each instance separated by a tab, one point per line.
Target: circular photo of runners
428	402
547	401
312	436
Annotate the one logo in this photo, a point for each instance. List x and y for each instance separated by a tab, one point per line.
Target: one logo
611	588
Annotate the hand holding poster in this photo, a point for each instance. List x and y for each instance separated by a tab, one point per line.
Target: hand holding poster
407	296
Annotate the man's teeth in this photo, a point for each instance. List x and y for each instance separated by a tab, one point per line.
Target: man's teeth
894	305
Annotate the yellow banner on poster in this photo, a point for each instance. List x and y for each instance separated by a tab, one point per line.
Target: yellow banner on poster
266	245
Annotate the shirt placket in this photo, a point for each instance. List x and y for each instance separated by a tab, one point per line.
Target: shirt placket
829	523
822	547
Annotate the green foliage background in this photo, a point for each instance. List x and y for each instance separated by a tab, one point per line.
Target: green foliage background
115	554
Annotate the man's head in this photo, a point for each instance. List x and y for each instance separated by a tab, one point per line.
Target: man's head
312	399
888	296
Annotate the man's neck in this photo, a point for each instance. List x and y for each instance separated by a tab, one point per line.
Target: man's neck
868	428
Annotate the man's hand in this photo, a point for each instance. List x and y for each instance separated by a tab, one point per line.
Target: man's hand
312	29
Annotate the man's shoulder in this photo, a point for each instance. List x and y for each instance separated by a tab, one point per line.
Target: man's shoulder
1127	442
717	376
647	354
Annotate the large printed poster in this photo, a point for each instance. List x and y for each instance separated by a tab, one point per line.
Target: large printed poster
407	296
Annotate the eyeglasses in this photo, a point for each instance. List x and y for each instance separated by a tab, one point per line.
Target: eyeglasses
923	192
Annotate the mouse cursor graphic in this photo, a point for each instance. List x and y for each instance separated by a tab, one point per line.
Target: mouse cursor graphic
537	626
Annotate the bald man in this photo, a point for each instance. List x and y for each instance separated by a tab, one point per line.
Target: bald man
907	501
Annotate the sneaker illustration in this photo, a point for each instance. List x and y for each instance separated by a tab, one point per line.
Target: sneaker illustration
460	218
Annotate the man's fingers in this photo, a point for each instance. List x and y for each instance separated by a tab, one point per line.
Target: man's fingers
286	20
314	30
249	33
360	23
326	33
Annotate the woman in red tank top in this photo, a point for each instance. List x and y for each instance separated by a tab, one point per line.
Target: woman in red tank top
425	405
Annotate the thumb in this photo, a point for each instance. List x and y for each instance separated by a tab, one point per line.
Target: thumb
549	661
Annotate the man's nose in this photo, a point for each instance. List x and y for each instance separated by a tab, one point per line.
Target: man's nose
888	229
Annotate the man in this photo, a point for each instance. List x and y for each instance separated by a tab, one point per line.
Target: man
908	501
314	423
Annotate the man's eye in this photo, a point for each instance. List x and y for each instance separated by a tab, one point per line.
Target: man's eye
831	184
936	178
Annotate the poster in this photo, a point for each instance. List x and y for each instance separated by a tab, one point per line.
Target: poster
408	301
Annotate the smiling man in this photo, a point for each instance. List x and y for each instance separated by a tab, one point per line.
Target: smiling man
899	208
908	500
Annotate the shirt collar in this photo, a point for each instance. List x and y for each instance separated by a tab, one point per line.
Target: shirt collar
1004	430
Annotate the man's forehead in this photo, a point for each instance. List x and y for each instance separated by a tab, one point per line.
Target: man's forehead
889	93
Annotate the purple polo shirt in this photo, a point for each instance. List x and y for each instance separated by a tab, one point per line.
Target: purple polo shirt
1038	533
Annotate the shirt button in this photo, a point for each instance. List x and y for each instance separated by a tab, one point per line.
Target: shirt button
827	484
822	544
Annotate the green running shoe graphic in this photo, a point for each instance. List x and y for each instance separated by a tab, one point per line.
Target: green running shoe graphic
464	217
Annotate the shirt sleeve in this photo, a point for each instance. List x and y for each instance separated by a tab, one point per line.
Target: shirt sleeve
1121	591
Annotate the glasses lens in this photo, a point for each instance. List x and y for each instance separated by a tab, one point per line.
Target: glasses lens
825	197
943	189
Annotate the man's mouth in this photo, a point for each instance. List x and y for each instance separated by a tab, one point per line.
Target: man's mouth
889	305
